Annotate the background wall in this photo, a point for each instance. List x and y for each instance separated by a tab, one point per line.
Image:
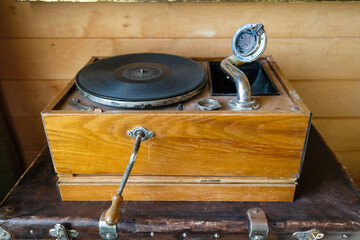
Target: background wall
317	45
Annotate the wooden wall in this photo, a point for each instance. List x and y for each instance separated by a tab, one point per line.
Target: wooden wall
317	45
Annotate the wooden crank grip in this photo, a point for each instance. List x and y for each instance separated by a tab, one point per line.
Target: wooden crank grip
113	214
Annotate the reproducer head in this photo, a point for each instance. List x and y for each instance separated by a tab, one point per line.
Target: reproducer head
249	42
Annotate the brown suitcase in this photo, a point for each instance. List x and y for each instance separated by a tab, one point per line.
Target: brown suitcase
327	206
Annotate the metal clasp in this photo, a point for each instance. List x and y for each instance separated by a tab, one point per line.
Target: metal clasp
312	234
107	231
259	228
4	235
61	233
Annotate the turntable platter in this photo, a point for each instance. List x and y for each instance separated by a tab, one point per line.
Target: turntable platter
141	80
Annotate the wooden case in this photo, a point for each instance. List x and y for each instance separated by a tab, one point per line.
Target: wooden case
220	155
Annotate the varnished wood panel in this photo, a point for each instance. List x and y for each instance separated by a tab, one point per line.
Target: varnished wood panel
342	134
141	20
27	98
180	192
330	98
141	179
303	58
182	141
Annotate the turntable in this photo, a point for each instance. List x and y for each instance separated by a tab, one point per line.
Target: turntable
210	129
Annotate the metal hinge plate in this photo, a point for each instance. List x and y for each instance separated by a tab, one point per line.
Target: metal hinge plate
147	134
312	234
259	228
61	233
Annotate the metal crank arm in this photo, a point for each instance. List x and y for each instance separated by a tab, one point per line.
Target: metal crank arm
109	218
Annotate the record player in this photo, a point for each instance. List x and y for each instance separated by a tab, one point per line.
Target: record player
210	129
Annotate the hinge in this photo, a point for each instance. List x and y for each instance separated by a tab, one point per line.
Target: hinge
259	228
4	235
312	234
61	233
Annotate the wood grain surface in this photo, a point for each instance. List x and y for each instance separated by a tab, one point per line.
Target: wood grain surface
174	20
142	179
90	143
62	58
180	192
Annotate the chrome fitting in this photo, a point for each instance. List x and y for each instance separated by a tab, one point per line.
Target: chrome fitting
243	101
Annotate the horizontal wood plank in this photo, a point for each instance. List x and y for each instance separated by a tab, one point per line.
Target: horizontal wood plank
63	58
27	98
134	179
28	133
335	98
164	20
341	134
180	192
323	59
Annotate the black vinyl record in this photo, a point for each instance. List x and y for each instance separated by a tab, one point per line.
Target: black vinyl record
144	77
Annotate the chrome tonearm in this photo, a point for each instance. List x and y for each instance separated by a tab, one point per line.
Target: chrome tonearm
248	43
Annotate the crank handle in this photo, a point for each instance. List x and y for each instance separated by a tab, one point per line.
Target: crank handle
113	214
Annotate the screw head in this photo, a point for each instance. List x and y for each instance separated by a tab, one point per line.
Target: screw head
152	234
184	235
3	234
216	235
345	236
108	236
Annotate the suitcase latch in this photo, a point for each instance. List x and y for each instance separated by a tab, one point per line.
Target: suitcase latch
61	233
107	231
312	234
259	228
